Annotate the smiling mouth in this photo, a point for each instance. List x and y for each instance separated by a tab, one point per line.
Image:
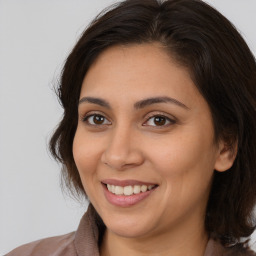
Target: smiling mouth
127	193
129	190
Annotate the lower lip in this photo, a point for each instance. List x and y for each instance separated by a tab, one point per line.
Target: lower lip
125	201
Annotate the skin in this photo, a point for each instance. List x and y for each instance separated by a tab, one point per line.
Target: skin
180	155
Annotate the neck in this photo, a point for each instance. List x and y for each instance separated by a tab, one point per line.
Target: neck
181	242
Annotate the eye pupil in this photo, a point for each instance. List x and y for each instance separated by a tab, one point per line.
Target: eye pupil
97	119
159	120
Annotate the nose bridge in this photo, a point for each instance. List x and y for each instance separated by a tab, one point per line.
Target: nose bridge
122	150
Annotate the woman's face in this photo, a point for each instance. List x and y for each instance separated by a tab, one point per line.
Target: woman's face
146	134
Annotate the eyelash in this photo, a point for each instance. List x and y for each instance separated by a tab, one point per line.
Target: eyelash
167	119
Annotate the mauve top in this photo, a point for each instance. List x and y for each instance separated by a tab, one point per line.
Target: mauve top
84	242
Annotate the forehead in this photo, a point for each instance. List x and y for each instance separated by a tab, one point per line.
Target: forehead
138	71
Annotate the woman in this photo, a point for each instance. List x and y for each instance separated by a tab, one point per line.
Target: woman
158	132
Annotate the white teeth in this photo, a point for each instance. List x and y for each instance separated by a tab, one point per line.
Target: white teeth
128	190
136	189
143	188
119	190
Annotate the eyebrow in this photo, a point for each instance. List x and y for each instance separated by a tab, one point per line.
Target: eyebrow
138	105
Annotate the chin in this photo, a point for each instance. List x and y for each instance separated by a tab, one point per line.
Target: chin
128	232
128	227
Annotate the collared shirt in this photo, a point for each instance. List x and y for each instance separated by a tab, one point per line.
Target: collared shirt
84	242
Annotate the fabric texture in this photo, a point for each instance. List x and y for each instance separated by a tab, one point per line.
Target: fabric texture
84	242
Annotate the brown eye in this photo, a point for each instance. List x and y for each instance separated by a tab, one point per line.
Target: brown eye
98	119
95	119
159	120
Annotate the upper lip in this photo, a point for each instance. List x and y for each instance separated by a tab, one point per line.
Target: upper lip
124	183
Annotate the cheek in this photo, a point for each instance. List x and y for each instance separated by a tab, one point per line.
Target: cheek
185	162
86	155
186	172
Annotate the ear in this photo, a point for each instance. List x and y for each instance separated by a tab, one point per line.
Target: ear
226	156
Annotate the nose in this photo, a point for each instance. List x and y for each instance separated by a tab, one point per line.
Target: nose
122	150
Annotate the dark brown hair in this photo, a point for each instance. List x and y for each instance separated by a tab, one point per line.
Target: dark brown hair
221	66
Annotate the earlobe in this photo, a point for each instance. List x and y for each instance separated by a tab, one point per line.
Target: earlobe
226	156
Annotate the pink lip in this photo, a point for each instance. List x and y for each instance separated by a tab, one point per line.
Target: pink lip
124	183
125	201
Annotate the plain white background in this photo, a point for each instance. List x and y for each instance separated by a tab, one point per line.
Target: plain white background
35	39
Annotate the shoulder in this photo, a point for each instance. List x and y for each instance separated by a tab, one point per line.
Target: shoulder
55	246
